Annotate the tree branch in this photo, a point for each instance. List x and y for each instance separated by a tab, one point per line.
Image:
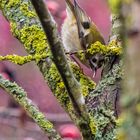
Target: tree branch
106	95
20	96
59	58
21	60
72	85
26	27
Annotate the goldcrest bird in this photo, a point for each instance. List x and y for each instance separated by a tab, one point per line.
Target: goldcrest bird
79	32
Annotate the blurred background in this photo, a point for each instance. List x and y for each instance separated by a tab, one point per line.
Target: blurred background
16	125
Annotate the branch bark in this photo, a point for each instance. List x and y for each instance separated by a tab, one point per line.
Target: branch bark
26	27
72	85
59	58
20	96
105	98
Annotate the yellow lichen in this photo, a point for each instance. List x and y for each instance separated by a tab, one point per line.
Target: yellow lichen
87	84
12	3
20	60
85	90
92	125
112	48
17	59
26	10
81	55
14	29
59	88
34	39
97	47
61	85
32	36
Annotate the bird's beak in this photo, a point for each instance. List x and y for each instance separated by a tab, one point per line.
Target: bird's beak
94	72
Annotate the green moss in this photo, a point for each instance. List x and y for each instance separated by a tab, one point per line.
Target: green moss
87	82
26	10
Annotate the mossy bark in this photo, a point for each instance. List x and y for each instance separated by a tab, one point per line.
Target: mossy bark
27	28
20	96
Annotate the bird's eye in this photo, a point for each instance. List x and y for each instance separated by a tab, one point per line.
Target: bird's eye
86	24
94	60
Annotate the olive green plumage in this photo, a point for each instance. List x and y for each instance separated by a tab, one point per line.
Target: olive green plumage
79	32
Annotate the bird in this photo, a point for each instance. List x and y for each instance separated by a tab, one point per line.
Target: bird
78	33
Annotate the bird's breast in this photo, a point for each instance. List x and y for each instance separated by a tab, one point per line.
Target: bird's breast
70	36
